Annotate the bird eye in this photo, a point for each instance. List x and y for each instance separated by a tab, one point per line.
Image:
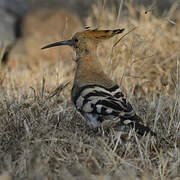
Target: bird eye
76	40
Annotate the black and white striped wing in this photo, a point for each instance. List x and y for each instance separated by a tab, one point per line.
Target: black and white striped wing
104	102
97	103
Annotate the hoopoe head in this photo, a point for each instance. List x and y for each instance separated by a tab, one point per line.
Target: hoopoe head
87	40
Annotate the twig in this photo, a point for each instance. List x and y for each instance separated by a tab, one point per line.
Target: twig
58	89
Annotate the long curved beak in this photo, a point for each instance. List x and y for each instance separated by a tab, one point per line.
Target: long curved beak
60	43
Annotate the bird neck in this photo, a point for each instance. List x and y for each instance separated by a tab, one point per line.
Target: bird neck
89	70
88	62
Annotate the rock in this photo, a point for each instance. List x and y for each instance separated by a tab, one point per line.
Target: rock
10	13
7	23
14	7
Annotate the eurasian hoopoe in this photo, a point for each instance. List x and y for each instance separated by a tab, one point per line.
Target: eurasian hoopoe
94	95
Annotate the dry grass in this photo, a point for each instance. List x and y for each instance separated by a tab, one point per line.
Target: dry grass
42	136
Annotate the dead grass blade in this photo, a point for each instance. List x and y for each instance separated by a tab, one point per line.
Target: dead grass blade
124	36
151	8
34	92
43	86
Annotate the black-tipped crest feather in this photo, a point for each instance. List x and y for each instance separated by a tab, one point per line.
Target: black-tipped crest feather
117	31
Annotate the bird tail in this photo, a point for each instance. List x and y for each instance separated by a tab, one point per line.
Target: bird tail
141	129
135	122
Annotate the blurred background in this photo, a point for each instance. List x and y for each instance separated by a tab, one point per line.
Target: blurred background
13	12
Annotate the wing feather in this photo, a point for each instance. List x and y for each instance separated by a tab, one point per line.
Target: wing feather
99	104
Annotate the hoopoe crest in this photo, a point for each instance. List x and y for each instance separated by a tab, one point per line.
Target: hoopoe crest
94	94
